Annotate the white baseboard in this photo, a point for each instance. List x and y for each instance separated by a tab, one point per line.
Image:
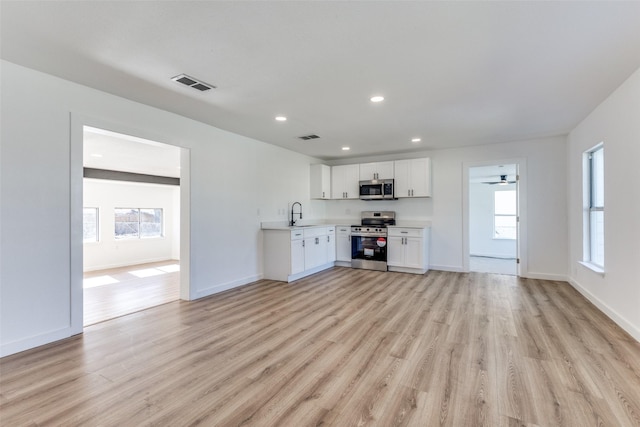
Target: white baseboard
129	263
455	269
35	341
611	313
226	286
499	256
545	276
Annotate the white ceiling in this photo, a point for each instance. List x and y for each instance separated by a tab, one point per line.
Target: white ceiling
113	151
453	73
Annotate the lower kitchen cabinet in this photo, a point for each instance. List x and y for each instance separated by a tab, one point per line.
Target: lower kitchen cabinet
408	249
343	245
293	253
331	244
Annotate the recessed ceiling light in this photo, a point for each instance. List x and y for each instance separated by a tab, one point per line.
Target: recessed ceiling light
416	140
377	98
281	118
96	155
346	148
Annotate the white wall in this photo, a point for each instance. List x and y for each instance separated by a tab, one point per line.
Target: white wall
481	217
235	183
106	196
616	122
546	249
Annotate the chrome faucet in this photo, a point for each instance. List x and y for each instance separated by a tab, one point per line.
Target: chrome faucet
293	222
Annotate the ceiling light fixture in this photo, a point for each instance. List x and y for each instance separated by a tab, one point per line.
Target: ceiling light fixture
346	148
281	118
377	98
416	140
96	155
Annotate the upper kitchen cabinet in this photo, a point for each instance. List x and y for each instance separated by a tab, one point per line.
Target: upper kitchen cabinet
413	178
320	182
344	182
378	170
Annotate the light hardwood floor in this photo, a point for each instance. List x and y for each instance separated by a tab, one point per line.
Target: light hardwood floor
341	348
134	288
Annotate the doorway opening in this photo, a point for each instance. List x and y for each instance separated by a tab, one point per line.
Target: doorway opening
131	224
493	218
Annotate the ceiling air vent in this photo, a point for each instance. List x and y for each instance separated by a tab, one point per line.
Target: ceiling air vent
191	82
308	137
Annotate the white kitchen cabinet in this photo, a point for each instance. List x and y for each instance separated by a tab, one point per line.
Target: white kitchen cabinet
412	178
331	244
297	256
293	253
320	179
343	245
408	250
315	247
377	170
345	182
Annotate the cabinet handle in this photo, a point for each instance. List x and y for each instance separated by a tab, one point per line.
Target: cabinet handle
317	240
328	239
408	192
303	243
404	232
323	194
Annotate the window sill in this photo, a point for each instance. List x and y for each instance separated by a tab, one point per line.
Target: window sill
593	267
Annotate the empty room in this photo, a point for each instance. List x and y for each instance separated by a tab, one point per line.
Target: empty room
380	213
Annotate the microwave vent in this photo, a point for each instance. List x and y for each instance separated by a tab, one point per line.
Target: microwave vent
308	137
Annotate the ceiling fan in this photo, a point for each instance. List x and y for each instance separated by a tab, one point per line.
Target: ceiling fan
503	181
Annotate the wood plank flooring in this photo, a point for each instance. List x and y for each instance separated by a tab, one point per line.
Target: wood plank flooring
134	288
341	348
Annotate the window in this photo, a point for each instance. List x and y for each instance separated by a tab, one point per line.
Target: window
138	223
594	215
504	219
89	225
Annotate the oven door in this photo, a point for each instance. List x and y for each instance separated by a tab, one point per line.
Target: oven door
369	248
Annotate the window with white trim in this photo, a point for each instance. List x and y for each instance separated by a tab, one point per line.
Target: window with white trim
594	212
504	218
138	223
89	225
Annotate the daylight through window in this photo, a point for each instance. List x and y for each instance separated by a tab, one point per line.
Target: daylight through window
594	241
89	225
136	223
505	210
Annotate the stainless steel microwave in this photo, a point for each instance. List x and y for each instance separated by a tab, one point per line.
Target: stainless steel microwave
377	189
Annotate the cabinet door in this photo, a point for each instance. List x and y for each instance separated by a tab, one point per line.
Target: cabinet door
395	251
377	170
297	256
413	250
352	181
401	182
343	244
315	252
320	180
420	177
331	247
385	170
368	171
338	179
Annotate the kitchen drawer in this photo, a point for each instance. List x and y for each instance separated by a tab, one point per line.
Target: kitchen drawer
297	235
344	230
405	232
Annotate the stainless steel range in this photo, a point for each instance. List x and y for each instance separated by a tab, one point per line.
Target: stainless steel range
369	240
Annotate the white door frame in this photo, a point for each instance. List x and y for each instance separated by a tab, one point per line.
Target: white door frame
78	122
521	185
